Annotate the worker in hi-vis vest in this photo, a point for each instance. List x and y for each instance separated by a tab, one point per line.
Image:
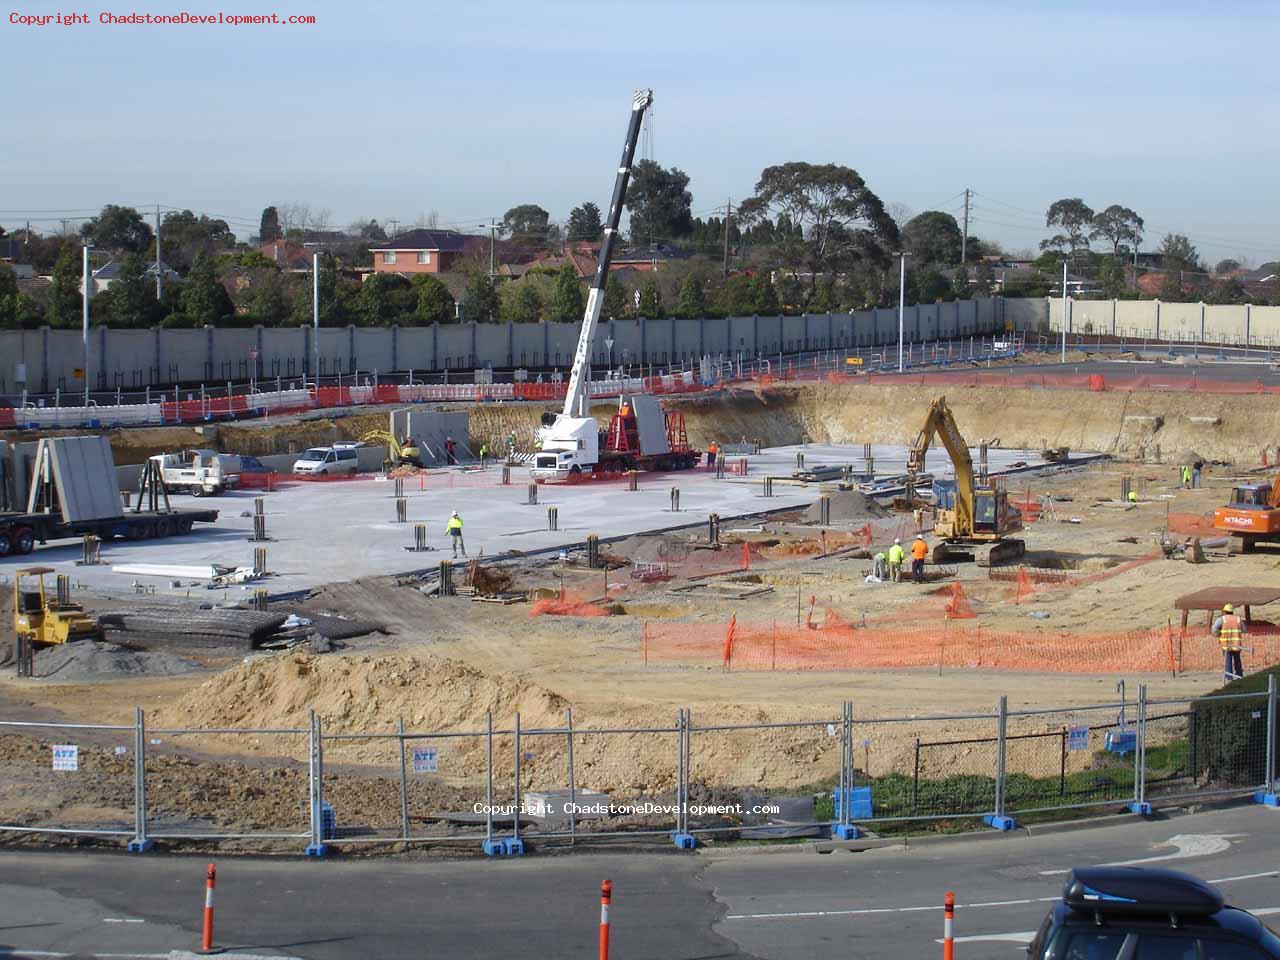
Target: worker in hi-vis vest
454	530
1230	630
896	556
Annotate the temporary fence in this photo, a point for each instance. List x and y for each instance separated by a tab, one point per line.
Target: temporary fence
829	643
1193	524
508	784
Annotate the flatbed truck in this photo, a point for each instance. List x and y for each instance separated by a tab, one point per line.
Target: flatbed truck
20	532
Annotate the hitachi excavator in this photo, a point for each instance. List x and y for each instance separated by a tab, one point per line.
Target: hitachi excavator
974	520
1253	514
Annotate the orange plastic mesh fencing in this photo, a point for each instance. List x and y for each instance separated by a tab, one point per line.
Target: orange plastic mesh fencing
958	606
1029	507
1193	524
567	604
836	645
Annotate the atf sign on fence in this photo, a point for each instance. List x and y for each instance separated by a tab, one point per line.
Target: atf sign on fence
1078	738
66	756
425	760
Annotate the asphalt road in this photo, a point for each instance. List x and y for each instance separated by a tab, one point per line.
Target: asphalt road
793	904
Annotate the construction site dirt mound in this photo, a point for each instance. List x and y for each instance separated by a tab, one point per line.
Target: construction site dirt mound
847	505
92	660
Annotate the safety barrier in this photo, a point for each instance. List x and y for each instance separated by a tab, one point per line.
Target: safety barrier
338	783
1193	524
833	644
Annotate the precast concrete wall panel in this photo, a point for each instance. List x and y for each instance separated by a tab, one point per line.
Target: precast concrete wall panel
1136	318
1180	321
453	346
183	354
85	474
984	314
741	334
233	355
335	351
715	338
415	348
373	349
927	322
130	358
886	326
491	344
563	341
686	338
1026	314
1227	322
1264	324
1091	316
771	335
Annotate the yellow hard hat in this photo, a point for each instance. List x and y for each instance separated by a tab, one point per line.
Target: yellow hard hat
1227	608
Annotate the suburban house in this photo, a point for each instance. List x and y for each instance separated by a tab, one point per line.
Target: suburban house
110	271
287	255
424	251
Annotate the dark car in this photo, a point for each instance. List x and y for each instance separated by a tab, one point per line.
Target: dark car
253	465
1128	913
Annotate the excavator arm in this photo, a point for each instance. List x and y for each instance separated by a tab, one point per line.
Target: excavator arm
942	423
381	436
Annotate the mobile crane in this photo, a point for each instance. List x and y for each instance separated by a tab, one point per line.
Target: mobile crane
974	519
571	443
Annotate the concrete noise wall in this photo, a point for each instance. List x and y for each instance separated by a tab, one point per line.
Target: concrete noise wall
46	360
1234	324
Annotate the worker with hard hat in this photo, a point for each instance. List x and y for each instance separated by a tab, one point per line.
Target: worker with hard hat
1230	631
896	556
1133	496
919	550
454	530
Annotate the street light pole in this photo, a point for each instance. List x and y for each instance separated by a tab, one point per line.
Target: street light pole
315	313
85	327
902	303
1064	309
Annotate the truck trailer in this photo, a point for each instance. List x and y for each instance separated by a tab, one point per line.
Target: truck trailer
74	491
640	436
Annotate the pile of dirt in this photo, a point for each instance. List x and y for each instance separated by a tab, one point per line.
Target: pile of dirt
848	505
92	660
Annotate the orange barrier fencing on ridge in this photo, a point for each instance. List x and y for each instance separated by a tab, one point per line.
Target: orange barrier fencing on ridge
836	645
567	604
1094	382
1194	525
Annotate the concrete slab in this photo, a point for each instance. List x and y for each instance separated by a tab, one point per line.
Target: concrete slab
327	532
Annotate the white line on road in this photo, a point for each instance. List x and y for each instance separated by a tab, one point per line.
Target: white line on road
871	910
122	920
1188	845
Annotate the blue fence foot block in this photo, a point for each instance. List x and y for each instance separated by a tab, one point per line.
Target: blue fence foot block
845	831
1268	799
140	846
684	841
494	848
513	847
1143	809
999	823
316	850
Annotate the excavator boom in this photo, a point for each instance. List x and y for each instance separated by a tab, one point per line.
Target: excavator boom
942	423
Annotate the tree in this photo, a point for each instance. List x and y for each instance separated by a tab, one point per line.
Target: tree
269	301
659	203
960	287
827	213
133	299
1111	277
64	297
435	303
1178	253
372	231
204	298
984	279
764	298
650	305
183	236
8	298
384	297
617	301
269	229
520	303
734	298
566	303
1225	267
1074	218
692	301
585	223
525	222
480	300
933	237
1119	226
119	229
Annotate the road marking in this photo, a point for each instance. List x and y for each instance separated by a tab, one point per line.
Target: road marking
1025	937
1188	845
122	920
872	910
1246	876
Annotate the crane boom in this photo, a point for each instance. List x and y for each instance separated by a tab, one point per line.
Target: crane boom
942	422
575	398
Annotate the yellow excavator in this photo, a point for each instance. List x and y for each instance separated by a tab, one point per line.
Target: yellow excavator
974	520
406	451
43	622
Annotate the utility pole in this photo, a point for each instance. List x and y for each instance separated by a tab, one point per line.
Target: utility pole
315	313
1064	308
88	279
728	215
964	236
159	282
26	240
395	228
902	303
493	228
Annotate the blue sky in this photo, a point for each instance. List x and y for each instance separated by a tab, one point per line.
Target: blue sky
398	109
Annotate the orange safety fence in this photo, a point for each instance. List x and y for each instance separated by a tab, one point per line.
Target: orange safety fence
1194	525
1055	381
836	645
567	604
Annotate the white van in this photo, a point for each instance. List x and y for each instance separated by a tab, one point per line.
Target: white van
335	461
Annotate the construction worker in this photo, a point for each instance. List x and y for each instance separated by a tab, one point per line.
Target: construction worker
454	529
1197	468
896	556
511	444
919	550
712	452
1230	630
484	453
1186	476
1133	496
879	571
449	447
